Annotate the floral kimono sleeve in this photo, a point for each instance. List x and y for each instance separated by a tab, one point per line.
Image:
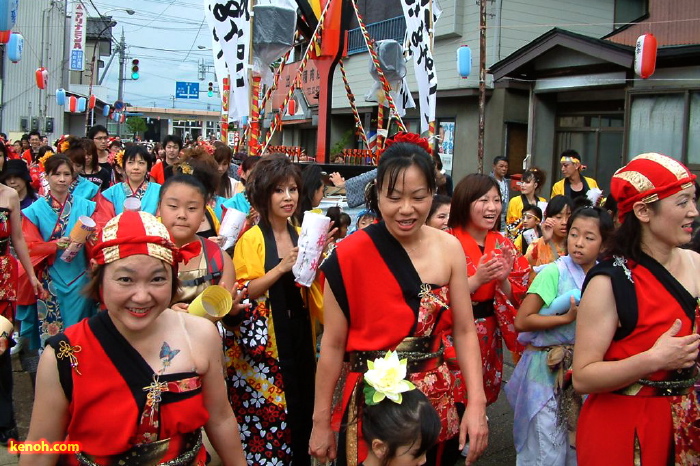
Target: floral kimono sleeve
505	308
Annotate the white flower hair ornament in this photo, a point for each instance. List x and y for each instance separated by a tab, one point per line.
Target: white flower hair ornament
385	378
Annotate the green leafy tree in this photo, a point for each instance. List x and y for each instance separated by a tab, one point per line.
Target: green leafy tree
136	124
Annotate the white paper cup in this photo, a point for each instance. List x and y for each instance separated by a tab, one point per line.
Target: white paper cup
132	204
231	226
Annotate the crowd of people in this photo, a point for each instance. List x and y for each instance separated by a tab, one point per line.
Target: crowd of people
394	352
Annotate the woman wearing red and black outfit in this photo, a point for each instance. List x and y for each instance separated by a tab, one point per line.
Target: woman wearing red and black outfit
416	274
154	370
636	349
498	274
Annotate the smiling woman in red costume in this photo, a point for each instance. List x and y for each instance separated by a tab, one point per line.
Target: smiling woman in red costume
636	348
416	276
154	371
498	274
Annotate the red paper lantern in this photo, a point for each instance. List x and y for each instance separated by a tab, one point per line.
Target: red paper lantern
5	37
42	77
72	104
645	55
92	102
292	107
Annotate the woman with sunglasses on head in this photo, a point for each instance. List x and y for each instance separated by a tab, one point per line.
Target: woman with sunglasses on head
271	353
530	184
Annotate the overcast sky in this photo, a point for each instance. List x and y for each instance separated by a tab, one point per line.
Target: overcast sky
164	35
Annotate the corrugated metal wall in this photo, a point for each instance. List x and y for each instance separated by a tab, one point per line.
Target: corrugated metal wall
43	25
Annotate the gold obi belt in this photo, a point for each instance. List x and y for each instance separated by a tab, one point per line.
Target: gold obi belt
423	354
150	454
676	383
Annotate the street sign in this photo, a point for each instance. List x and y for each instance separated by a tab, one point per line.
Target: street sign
185	90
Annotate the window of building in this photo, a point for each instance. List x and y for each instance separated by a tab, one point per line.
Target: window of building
627	11
667	123
598	137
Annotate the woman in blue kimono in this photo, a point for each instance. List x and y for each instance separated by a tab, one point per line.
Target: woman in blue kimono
136	162
80	187
46	225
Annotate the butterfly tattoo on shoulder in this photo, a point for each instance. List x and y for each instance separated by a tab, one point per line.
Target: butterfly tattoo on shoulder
167	354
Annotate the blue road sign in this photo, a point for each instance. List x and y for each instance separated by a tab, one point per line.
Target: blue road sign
185	90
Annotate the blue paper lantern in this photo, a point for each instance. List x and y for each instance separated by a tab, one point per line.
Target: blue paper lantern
464	61
8	14
105	111
61	97
244	121
15	47
82	104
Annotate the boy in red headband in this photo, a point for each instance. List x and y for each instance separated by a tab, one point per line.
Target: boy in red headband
636	339
156	370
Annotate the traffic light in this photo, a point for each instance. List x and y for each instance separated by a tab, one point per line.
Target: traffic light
135	68
210	92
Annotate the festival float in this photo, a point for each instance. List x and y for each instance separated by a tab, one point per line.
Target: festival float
252	43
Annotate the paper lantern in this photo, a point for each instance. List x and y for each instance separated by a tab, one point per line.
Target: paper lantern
8	18
244	121
82	104
105	111
15	47
42	77
292	107
61	97
645	56
72	104
115	116
464	61
122	118
92	101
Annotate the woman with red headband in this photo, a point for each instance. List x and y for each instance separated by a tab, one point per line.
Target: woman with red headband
574	184
156	371
636	349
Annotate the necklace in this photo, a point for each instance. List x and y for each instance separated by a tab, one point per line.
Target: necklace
410	250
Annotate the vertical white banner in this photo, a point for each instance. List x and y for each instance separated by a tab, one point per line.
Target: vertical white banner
78	26
418	29
220	67
231	20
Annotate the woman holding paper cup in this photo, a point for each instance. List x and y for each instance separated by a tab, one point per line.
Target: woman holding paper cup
155	370
270	350
48	226
136	162
416	293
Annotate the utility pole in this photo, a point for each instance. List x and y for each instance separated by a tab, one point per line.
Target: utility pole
482	84
120	92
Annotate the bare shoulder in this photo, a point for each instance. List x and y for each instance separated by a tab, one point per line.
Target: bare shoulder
694	257
599	290
10	193
199	327
448	241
